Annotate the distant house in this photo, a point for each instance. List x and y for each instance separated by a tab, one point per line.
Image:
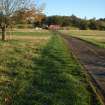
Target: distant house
54	27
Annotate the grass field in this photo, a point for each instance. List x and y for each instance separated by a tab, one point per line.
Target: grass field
40	71
17	65
93	36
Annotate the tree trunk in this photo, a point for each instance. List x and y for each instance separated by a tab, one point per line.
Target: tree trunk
3	33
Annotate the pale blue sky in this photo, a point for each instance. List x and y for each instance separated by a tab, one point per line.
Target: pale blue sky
80	8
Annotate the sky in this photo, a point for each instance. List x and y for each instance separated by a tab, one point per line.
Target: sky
80	8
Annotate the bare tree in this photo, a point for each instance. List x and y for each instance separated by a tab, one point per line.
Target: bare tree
7	9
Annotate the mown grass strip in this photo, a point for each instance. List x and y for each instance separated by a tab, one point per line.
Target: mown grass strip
61	81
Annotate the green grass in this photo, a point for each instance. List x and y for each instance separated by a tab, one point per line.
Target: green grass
31	33
41	73
92	36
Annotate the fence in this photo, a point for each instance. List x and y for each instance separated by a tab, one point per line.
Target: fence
8	33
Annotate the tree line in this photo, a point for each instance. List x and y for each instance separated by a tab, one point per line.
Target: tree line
74	21
39	19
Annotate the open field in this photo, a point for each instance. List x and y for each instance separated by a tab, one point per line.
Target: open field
92	36
40	71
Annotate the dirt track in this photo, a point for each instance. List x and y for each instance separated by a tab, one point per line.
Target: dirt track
91	57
